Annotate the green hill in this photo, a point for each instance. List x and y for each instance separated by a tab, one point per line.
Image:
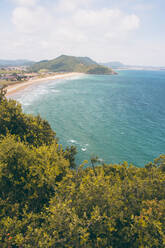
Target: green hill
66	63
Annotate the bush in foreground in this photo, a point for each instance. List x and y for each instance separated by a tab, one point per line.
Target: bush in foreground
46	201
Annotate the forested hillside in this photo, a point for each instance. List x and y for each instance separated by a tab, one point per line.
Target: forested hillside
66	63
46	200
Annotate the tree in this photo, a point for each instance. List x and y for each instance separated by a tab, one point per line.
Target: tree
28	128
28	175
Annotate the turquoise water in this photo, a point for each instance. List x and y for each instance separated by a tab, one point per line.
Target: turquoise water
118	118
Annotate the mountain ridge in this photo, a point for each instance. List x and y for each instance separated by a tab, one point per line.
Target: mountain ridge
66	63
119	65
114	64
17	62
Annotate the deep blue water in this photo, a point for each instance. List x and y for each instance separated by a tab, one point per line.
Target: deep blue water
118	118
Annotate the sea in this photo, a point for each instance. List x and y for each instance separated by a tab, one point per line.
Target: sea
114	117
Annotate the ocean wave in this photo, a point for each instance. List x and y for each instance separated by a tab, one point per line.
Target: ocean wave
84	147
55	91
72	141
73	78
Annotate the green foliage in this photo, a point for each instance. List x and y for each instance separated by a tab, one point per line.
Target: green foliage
46	201
69	154
28	128
28	174
102	70
120	207
71	64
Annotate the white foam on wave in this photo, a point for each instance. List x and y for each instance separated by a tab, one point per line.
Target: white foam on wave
59	80
84	147
100	160
28	96
74	77
72	141
33	92
55	91
26	103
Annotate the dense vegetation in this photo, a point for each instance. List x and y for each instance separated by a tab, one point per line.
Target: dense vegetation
48	201
71	64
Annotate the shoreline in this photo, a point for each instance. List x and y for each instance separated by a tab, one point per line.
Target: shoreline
12	89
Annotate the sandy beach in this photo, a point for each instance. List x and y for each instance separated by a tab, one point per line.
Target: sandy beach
12	89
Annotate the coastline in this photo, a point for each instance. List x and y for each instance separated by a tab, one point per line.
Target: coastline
12	89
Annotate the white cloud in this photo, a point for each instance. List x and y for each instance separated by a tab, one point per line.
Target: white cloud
72	5
97	23
107	23
25	2
130	22
69	26
31	20
96	18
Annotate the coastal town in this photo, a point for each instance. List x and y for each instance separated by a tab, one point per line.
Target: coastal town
11	75
14	79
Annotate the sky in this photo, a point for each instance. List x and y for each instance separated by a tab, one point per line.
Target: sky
129	31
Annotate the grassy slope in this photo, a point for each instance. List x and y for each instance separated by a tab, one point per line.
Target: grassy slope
72	64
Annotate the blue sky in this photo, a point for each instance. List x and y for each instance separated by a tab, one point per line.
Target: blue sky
130	31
